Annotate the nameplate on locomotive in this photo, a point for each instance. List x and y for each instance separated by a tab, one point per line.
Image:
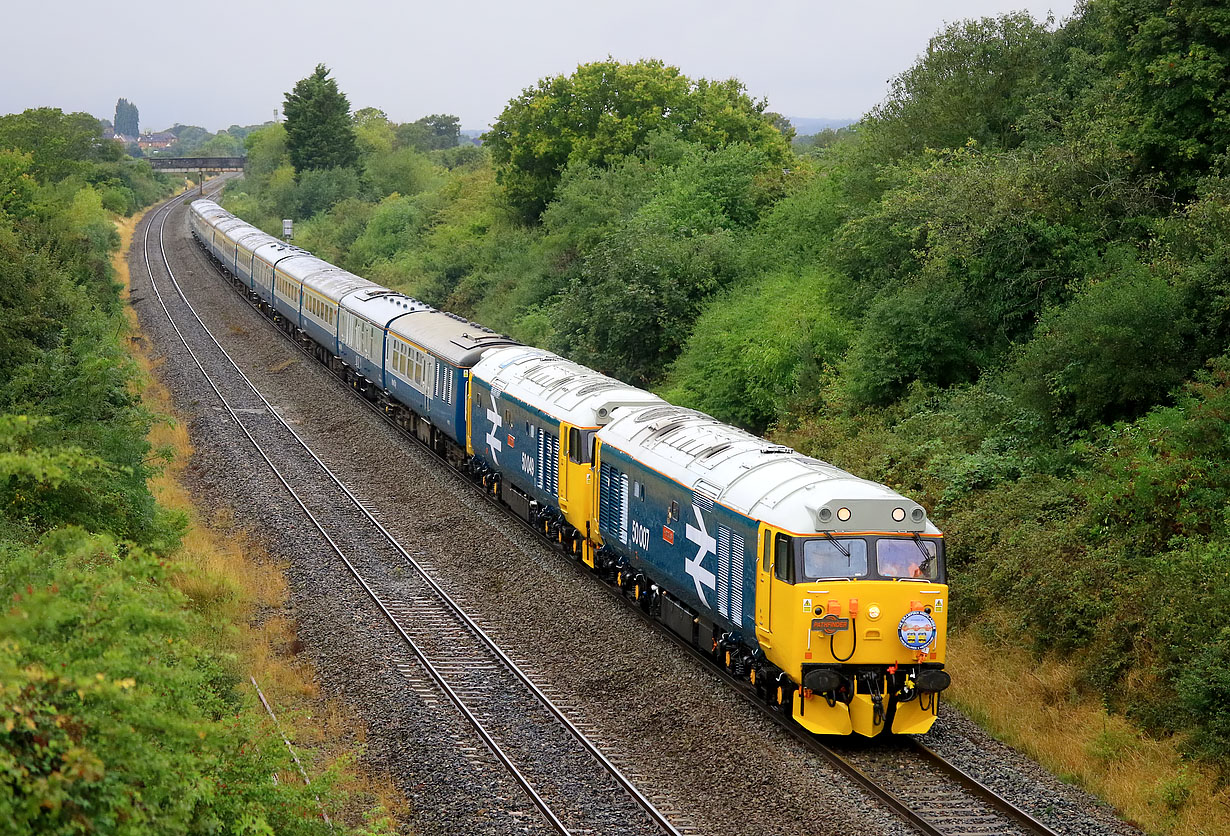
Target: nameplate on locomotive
830	624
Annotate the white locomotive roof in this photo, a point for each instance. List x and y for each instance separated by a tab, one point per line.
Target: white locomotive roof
272	250
754	477
207	207
449	336
561	388
380	305
300	265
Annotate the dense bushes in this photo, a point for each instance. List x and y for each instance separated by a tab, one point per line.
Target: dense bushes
116	719
760	349
120	704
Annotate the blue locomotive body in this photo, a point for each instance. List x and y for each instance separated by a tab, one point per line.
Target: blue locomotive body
701	552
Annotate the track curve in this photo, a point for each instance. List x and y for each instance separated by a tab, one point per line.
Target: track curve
475	679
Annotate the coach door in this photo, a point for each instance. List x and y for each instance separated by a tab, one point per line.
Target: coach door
764	588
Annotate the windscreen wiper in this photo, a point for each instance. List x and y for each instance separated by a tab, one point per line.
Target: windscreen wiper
925	566
845	552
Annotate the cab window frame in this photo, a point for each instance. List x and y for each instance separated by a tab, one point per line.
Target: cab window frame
783	558
940	558
581	445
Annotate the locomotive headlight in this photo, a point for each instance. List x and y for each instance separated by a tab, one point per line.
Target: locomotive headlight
873	612
843	514
899	514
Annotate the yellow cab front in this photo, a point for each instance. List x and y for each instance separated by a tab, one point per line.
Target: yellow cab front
858	621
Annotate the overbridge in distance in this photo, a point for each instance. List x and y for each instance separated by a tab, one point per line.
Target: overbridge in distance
202	164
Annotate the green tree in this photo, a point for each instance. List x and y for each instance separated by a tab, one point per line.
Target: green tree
16	185
1171	61
59	143
431	133
607	110
319	130
221	144
974	82
373	133
127	119
266	152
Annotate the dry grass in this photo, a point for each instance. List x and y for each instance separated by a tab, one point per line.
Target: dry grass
242	592
1038	708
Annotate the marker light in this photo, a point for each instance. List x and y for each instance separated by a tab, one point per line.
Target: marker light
898	514
873	612
843	514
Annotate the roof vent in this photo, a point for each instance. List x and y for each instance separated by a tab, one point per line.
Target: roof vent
655	412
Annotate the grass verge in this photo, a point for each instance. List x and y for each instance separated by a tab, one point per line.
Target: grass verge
242	592
1038	707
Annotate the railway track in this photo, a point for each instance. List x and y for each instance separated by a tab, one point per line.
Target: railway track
575	786
928	793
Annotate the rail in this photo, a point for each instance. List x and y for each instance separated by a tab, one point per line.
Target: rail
389	608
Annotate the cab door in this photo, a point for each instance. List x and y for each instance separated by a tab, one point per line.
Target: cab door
576	474
764	588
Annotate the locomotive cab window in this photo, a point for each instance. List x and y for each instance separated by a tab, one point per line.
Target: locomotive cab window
908	558
638	490
832	559
672	513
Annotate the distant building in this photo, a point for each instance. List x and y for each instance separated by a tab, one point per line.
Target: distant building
159	140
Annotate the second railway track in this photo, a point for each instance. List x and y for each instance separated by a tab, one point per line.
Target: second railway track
574	785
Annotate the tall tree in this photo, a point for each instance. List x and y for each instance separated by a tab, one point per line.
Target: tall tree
431	133
127	119
1171	65
607	110
59	143
319	131
975	81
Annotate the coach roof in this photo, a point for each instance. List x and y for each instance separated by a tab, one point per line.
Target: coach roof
449	337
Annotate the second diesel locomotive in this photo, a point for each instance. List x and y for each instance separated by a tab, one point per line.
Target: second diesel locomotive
826	591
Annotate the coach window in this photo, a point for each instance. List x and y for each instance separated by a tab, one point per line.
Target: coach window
783	568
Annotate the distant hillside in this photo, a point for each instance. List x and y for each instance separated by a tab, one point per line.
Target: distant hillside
806	125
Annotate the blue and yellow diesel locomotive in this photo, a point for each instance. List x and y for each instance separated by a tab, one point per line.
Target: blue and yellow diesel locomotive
825	591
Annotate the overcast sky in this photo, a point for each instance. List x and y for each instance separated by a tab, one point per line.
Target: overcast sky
215	64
